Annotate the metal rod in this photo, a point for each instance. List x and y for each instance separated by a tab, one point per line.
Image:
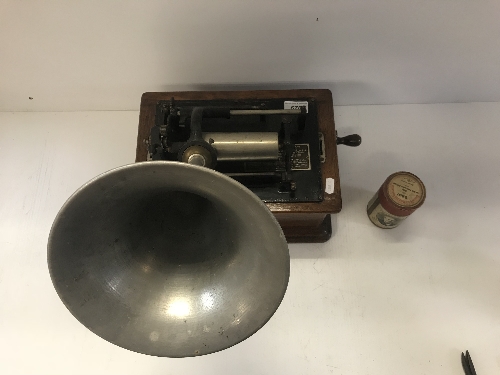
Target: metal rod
240	112
243	174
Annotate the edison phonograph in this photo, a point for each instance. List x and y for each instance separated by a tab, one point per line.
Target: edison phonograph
282	145
183	253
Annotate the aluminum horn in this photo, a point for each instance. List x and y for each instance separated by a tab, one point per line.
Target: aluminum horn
168	259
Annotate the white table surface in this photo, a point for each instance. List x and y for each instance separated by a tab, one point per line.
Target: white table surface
369	301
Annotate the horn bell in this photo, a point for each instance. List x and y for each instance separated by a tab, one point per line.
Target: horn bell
168	259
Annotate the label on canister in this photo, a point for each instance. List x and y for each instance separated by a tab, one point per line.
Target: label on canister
380	217
404	190
400	195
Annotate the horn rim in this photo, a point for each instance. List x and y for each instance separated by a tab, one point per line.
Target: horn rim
215	174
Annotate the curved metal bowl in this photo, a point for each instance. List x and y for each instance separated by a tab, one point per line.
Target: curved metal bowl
168	259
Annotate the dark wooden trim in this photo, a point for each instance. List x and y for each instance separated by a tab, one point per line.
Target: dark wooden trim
306	227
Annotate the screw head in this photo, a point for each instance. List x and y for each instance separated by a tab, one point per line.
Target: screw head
197	159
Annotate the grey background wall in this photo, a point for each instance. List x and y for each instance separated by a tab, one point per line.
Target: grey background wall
102	55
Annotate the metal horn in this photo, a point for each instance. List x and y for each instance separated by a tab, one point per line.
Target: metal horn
168	259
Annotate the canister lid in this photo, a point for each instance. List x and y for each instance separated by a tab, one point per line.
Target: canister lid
402	193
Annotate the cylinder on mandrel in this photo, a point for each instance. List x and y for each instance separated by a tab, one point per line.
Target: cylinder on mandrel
398	197
243	146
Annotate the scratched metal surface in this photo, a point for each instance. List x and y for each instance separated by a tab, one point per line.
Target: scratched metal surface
369	301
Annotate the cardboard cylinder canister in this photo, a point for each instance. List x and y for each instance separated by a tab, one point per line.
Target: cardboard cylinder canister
398	197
